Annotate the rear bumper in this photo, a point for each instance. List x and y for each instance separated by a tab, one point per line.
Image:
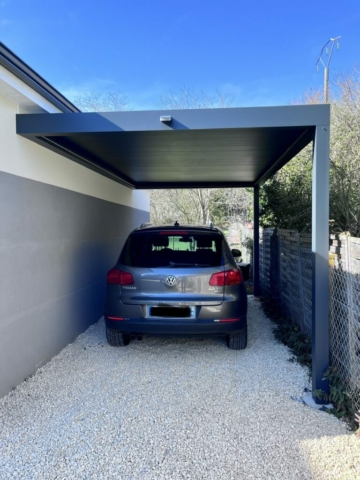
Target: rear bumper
203	327
207	321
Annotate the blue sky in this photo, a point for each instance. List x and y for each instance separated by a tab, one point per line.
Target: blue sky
261	52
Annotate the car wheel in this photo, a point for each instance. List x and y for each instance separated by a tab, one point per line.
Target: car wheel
116	339
237	341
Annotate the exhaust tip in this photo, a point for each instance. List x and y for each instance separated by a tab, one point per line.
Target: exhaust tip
132	337
139	337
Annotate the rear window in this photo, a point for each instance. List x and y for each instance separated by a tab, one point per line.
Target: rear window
173	249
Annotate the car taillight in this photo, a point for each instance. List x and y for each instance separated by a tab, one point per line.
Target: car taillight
119	277
229	277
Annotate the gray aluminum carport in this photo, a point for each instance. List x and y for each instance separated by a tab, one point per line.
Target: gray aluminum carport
235	147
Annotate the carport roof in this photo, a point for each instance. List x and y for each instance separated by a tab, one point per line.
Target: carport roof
231	147
238	147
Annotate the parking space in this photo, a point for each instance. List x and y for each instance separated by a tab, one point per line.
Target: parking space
172	409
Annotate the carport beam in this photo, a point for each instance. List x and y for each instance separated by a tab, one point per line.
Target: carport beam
256	258
320	266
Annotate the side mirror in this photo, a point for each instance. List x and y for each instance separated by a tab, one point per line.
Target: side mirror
235	252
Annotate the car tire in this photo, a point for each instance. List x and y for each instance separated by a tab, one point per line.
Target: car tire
237	341
116	339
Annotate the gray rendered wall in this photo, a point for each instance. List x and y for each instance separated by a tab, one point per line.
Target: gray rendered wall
56	246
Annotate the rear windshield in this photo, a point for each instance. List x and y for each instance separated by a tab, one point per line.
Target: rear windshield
169	249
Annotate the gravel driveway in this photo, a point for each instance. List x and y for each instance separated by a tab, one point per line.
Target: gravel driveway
171	409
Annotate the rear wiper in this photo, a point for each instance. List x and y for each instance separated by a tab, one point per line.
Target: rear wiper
175	265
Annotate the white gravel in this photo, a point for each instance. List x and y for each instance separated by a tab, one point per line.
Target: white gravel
171	409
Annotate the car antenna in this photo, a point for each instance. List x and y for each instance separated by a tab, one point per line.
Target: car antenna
176	224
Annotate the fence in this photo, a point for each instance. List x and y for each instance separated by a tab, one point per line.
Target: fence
286	276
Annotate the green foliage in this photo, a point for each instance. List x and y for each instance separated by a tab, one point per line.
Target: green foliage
345	156
298	343
340	397
248	243
289	334
285	200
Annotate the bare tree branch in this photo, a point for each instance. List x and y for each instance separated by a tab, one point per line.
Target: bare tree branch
102	102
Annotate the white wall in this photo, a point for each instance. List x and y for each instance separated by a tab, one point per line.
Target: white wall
62	228
19	156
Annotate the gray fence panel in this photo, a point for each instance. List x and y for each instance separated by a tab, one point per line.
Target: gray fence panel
286	277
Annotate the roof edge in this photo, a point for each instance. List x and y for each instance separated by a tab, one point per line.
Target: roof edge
21	70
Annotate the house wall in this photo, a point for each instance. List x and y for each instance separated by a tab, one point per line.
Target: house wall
61	228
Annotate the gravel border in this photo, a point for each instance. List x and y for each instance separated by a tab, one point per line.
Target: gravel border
172	409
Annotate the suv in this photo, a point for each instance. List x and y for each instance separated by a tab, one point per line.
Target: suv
176	280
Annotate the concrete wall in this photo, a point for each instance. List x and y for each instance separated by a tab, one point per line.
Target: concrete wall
61	228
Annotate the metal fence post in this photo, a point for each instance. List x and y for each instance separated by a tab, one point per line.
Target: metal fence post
274	266
301	283
256	258
320	253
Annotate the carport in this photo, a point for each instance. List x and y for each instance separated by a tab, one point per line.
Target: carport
236	147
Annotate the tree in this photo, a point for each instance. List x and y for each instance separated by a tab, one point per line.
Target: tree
188	98
345	155
201	206
102	102
286	198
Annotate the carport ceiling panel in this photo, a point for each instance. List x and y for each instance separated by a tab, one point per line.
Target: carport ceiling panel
222	155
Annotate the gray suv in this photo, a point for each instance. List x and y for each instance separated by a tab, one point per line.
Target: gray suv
176	280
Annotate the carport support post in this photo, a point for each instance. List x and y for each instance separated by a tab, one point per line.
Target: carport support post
320	255
256	255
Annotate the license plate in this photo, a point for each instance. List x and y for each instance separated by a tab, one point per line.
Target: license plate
170	312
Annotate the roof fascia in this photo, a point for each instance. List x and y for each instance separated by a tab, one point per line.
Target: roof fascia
21	70
19	87
199	119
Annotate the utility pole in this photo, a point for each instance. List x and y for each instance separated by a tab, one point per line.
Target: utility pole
326	65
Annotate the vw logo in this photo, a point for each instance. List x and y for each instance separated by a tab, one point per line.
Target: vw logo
170	281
